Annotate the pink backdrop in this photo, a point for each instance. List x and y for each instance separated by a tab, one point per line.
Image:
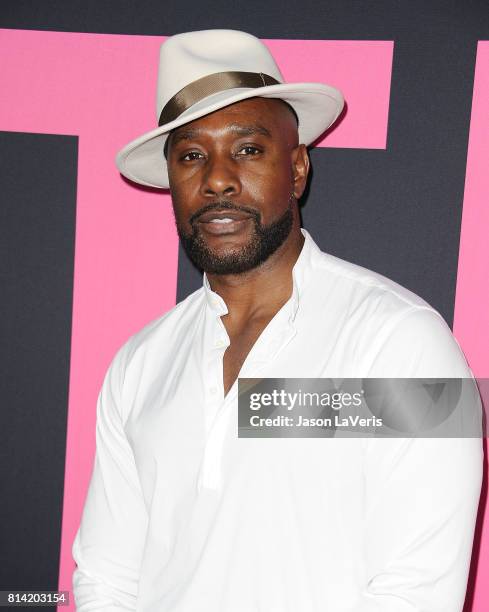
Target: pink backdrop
101	88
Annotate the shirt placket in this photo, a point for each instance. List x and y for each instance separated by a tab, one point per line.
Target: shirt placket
216	343
219	409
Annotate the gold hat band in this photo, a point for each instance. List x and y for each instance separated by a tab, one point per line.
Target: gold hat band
208	85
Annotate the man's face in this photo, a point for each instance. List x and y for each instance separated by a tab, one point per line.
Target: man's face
234	177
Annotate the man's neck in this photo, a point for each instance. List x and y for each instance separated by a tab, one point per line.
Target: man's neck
264	289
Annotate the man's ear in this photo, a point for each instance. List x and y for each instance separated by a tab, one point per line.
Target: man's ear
300	168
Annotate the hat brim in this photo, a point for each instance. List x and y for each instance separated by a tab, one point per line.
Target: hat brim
317	106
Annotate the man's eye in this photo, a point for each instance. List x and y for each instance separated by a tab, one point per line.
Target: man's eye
249	150
191	156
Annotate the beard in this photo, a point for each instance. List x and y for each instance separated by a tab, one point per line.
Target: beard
264	241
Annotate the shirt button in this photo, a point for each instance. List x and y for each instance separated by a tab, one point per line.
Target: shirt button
213	390
220	343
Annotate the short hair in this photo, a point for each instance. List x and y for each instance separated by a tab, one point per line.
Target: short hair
290	107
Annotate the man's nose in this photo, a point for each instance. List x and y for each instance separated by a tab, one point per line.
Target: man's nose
220	177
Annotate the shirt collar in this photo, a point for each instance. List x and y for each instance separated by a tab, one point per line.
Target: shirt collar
300	275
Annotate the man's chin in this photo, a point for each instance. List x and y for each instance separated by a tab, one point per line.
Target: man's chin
225	261
229	245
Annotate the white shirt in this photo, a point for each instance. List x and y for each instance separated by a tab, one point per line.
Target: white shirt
183	516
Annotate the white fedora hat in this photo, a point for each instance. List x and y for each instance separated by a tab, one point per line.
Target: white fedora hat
203	71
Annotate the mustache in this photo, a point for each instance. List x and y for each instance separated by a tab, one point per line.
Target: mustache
223	205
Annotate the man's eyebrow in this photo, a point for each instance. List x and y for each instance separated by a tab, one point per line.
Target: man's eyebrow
237	128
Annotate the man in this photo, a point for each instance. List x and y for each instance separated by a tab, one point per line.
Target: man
181	514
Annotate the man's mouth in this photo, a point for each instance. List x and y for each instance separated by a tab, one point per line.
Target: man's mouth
225	220
223	216
219	222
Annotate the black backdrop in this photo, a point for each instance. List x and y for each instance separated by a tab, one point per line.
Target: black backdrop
396	211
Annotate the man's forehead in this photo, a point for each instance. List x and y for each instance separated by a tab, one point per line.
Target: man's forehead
245	128
239	118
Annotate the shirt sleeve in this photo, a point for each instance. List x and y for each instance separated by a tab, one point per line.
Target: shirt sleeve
422	494
109	544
